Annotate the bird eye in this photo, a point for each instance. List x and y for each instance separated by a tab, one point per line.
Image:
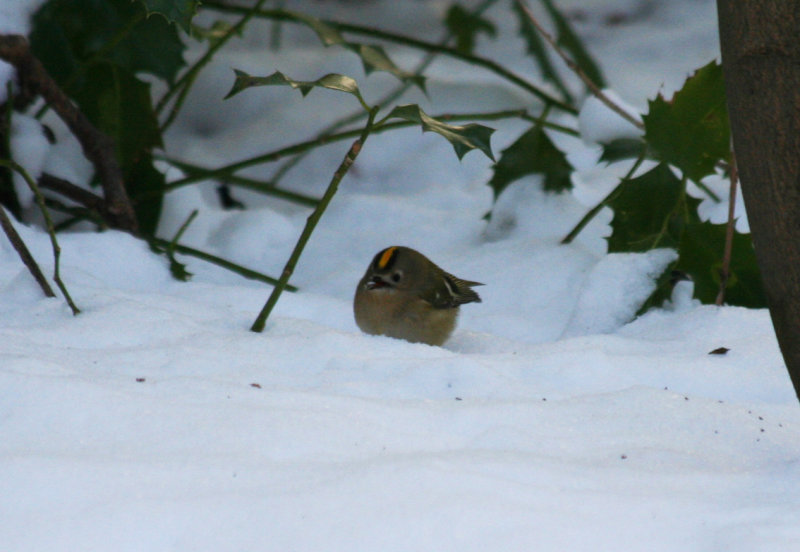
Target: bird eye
396	276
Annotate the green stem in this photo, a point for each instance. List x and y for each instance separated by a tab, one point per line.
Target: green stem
225	172
311	223
597	208
213	259
267	188
184	83
50	230
182	230
488	64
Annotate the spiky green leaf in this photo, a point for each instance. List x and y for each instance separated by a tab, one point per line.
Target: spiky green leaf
331	81
466	26
532	153
650	211
67	36
120	105
464	138
692	131
701	250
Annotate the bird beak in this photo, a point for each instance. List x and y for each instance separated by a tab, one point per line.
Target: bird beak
376	283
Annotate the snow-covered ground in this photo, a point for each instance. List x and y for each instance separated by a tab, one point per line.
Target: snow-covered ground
156	421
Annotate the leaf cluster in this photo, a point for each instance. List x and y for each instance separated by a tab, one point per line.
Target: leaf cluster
688	134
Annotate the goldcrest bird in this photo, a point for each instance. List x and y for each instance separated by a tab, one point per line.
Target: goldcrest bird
405	295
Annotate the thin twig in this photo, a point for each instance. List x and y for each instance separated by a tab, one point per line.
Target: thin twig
24	253
311	222
725	271
224	172
593	88
97	146
51	231
159	244
77	194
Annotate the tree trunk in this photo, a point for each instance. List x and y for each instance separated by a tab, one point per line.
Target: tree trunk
760	41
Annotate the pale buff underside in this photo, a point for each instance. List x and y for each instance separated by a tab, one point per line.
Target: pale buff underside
384	312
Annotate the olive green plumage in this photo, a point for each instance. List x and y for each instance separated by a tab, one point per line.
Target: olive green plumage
403	294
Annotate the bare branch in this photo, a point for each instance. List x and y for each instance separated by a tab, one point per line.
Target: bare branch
98	147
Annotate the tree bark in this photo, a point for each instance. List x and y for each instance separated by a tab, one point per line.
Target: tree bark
760	42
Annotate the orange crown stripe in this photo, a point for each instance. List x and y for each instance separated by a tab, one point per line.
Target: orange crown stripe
386	257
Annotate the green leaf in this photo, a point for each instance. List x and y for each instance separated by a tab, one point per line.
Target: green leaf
701	250
537	49
374	58
621	149
178	269
463	138
174	11
67	36
570	42
650	211
332	81
120	105
147	184
532	153
465	26
691	131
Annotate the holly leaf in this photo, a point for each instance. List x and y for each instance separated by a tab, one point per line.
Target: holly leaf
67	36
691	131
650	211
120	105
464	138
146	183
331	81
701	250
536	48
532	153
465	26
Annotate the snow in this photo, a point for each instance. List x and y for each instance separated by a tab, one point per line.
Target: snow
600	125
155	420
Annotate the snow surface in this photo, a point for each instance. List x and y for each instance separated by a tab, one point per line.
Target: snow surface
156	421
